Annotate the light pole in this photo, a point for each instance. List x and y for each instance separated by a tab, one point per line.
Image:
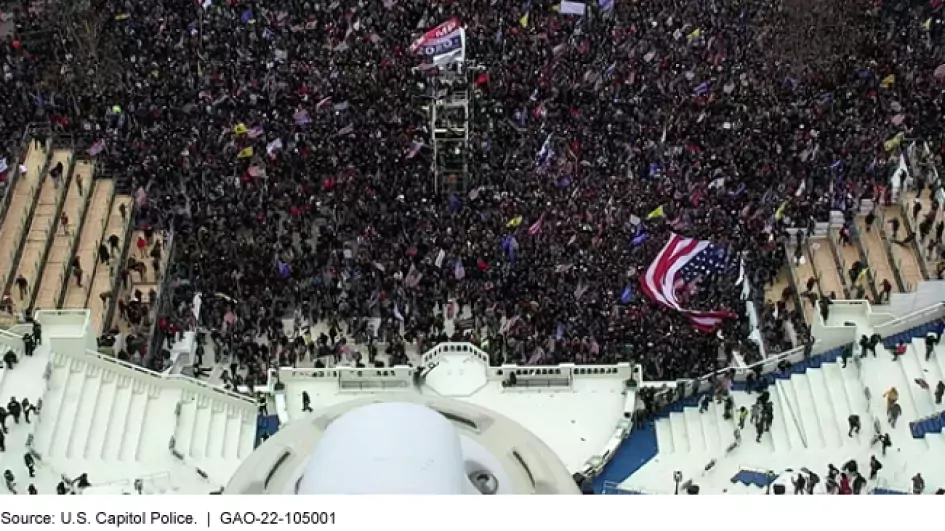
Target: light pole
677	478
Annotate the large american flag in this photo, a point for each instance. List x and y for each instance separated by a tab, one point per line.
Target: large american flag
685	262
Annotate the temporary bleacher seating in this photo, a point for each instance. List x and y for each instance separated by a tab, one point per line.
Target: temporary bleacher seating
42	227
65	240
13	231
93	226
105	274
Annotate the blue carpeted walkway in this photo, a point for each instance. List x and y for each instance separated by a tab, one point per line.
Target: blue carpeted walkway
266	425
636	451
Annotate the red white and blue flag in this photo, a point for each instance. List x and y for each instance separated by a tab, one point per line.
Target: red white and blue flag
683	264
445	38
444	31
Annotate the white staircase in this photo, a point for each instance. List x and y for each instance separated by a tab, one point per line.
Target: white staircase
695	429
186	421
231	434
806	408
137	422
833	430
247	438
835	379
116	421
216	432
210	430
82	424
198	446
64	386
104	403
664	437
680	432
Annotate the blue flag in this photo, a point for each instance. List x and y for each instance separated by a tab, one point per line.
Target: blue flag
627	295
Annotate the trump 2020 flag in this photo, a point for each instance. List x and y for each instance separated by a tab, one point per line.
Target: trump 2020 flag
686	261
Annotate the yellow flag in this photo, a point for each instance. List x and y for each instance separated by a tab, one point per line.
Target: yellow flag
894	142
779	213
556	8
524	20
696	33
123	16
862	274
657	213
240	129
245	153
927	24
888	81
514	222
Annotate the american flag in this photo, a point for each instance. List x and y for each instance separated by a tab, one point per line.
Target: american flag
683	262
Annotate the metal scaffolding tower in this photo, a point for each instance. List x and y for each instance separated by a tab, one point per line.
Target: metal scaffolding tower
449	129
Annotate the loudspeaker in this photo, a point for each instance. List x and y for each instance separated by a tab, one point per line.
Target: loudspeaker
692	490
778	489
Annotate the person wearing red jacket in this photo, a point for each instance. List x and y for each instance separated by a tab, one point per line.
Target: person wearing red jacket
845	484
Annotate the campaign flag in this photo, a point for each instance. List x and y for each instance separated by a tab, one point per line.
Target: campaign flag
439	33
572	8
415	148
283	269
702	88
245	153
273	147
448	45
413	277
458	272
301	117
439	258
535	229
685	261
605	5
627	295
256	132
95	148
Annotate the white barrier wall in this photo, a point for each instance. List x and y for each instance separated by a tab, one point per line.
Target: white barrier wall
67	330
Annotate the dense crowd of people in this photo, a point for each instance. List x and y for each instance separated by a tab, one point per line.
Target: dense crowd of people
286	144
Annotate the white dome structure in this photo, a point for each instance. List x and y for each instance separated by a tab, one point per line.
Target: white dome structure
403	445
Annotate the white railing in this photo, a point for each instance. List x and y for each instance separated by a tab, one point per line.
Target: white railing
183	383
911	320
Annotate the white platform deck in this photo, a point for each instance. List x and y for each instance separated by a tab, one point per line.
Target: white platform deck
575	422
